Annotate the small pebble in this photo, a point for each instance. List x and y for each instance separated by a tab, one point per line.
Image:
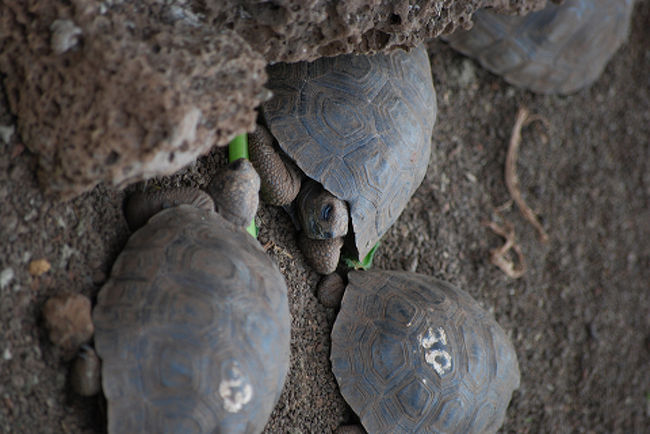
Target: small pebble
31	215
67	318
6	354
66	254
412	263
39	266
467	74
65	35
6	277
6	132
330	290
85	375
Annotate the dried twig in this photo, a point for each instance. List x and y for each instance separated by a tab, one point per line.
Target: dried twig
504	207
271	245
498	256
512	182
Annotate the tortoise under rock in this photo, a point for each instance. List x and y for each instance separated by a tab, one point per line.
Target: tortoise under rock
415	354
360	126
192	326
559	49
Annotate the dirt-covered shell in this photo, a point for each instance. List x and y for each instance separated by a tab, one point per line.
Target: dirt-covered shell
192	328
414	354
359	125
559	49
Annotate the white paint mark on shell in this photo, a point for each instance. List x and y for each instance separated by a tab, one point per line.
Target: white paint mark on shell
235	391
439	358
433	337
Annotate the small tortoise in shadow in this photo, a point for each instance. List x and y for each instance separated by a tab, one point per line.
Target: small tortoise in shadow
559	49
359	128
415	354
193	325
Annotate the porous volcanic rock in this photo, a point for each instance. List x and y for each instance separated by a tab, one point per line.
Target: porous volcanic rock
124	92
295	30
120	91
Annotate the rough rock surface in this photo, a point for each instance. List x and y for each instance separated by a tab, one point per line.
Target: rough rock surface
294	30
121	91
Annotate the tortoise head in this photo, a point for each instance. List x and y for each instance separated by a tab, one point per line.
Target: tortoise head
321	214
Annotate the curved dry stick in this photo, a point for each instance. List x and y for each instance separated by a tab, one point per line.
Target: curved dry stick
498	256
512	182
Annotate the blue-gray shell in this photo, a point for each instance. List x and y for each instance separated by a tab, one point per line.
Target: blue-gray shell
192	328
414	354
559	49
359	125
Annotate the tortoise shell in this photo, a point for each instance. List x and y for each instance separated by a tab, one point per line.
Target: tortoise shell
192	328
559	49
359	125
414	354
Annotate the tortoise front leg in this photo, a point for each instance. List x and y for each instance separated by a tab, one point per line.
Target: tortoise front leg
280	179
235	191
322	255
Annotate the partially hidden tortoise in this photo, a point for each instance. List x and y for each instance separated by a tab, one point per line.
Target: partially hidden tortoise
559	49
360	127
192	327
415	354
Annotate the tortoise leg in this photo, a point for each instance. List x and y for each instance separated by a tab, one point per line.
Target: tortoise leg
322	255
280	178
141	206
330	290
235	191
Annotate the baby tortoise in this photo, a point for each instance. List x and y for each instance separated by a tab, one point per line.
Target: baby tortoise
359	128
414	354
192	327
559	49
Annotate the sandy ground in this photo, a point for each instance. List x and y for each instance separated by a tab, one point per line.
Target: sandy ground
579	317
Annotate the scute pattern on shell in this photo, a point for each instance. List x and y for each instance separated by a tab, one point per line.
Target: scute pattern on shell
559	49
392	329
359	125
192	328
